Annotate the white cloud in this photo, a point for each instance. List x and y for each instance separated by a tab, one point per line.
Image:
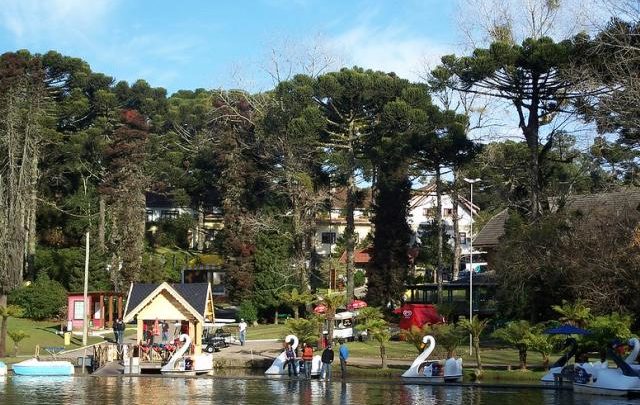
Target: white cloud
32	20
389	49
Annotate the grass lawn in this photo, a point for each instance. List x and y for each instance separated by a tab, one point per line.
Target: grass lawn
263	331
492	355
43	334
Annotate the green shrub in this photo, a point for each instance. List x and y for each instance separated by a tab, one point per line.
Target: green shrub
43	299
248	311
358	278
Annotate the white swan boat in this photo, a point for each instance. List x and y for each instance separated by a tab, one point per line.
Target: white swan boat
425	371
556	368
631	359
599	379
179	364
3	369
36	367
278	368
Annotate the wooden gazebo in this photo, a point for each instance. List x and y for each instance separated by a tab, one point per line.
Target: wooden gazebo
189	304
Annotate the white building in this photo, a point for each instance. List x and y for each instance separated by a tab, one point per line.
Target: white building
422	211
331	225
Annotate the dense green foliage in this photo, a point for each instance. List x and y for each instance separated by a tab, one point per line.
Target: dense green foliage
42	299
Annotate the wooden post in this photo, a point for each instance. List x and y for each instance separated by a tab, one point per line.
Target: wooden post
120	307
110	306
139	331
102	311
197	342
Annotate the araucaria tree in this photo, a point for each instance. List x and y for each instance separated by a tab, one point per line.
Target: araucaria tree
530	77
125	186
351	101
390	151
23	106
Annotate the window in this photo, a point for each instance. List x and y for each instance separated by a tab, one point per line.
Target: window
149	215
329	237
429	212
78	309
169	214
447	212
463	238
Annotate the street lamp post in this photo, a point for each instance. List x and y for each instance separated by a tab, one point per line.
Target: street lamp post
471	183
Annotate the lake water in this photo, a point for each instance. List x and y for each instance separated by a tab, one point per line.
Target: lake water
250	390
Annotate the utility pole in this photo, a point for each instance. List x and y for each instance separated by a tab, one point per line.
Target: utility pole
85	322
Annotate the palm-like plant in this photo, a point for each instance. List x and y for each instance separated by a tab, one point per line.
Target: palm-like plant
17	336
294	299
475	327
414	336
448	337
304	329
372	320
542	343
517	334
331	302
576	314
6	312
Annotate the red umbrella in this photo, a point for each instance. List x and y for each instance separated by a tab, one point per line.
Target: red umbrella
320	309
356	304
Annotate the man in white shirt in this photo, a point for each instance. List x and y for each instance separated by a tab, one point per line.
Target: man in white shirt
242	328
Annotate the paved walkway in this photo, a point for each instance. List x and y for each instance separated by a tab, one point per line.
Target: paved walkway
270	349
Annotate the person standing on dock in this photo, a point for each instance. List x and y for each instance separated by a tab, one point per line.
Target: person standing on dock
307	357
242	329
327	359
344	355
118	329
290	354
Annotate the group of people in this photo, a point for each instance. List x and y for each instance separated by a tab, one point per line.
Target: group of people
326	359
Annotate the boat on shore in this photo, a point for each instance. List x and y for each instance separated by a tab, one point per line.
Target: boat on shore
181	365
278	367
599	379
555	370
423	371
35	367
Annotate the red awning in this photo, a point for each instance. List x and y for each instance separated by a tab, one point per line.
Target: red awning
356	304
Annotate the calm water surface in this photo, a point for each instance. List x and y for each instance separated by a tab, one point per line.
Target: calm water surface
244	390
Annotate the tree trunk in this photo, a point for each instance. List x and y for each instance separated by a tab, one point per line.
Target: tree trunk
476	349
32	237
3	336
522	354
296	311
440	230
350	234
200	229
275	318
457	250
101	223
331	315
383	355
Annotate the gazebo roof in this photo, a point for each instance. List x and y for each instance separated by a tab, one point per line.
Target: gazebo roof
194	297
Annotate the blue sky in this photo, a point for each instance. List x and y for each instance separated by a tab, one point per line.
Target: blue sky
213	44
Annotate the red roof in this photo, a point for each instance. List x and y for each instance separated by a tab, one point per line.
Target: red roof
360	256
363	256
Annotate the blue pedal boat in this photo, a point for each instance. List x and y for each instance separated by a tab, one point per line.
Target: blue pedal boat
36	367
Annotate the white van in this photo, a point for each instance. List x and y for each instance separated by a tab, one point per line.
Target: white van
343	326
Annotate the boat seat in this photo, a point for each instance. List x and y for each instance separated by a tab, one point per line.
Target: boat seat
54	350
